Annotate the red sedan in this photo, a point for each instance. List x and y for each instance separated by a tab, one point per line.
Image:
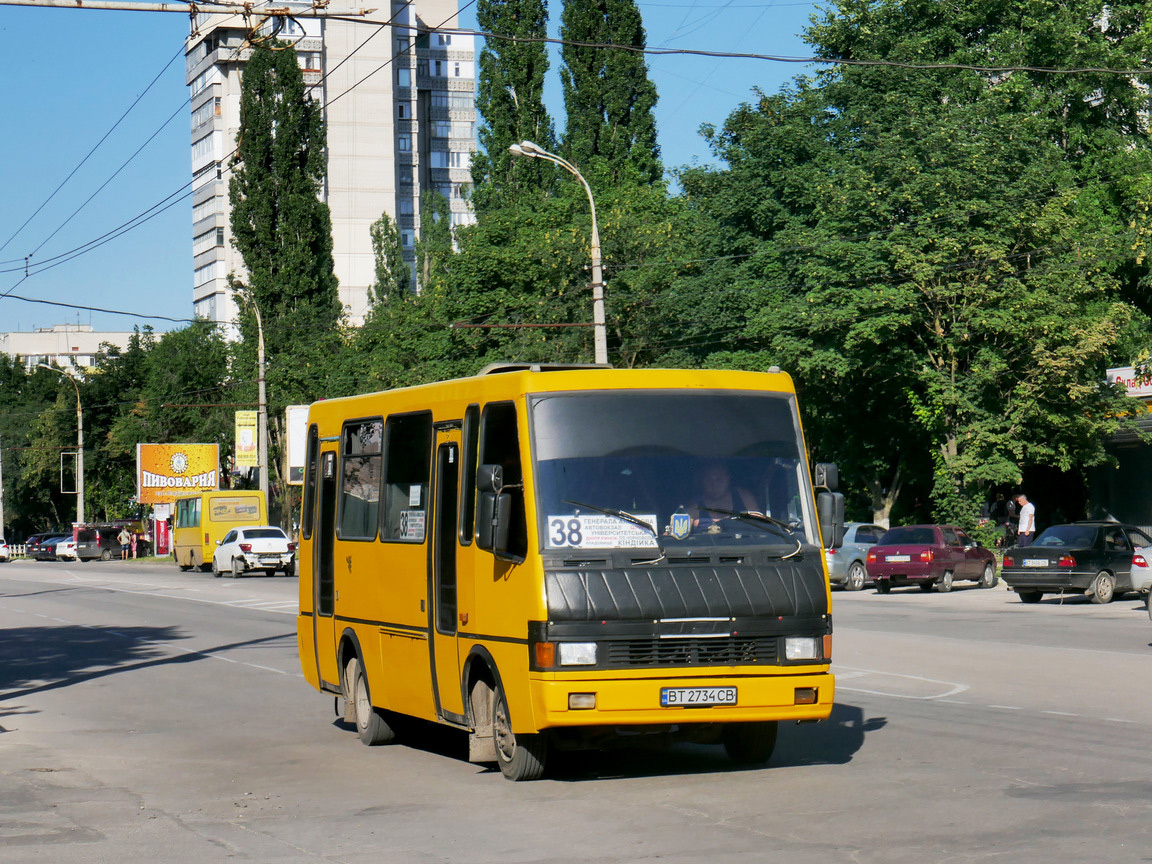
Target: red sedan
928	555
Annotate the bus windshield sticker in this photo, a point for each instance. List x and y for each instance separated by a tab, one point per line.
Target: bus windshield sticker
596	531
414	495
411	524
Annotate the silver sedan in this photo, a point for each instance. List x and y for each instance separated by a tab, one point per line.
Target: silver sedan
846	561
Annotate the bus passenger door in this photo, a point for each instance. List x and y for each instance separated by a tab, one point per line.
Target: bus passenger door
442	582
324	568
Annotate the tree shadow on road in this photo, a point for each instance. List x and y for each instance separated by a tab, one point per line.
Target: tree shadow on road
38	659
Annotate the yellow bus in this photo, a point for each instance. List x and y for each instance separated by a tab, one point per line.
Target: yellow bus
201	521
541	556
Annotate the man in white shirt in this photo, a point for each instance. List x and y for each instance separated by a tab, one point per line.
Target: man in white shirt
1027	526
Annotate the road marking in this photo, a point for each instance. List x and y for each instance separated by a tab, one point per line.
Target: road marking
953	688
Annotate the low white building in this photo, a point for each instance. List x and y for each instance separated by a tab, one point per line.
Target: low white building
70	346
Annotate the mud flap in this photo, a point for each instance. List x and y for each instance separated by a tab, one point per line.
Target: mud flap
481	744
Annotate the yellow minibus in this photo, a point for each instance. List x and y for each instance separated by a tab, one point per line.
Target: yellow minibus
543	556
202	520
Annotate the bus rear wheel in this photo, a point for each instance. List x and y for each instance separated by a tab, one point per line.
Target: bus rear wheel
520	757
749	743
370	722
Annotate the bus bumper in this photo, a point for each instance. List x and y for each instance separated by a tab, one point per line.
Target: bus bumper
630	701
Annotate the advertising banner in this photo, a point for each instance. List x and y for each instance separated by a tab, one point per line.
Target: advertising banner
1133	383
247	456
296	422
165	472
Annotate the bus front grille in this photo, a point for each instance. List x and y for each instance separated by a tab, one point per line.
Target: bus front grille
730	651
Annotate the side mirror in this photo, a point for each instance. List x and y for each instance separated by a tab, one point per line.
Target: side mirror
830	512
493	519
490	478
826	475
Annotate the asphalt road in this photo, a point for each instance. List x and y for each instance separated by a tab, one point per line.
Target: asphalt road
152	715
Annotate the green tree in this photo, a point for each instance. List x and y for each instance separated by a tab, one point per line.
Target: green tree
434	250
941	257
608	98
510	101
393	277
279	225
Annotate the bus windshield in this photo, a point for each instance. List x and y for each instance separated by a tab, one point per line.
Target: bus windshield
698	467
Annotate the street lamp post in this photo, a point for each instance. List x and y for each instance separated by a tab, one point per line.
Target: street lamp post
599	331
262	413
79	442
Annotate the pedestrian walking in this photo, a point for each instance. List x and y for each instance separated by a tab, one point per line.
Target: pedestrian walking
1026	528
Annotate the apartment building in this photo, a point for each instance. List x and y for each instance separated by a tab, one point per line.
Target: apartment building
70	346
399	104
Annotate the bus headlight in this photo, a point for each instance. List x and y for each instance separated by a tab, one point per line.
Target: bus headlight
802	648
577	653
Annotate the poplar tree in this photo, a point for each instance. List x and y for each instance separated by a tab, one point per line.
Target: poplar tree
279	225
393	278
510	101
608	97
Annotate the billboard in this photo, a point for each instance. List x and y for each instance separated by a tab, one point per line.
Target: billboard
247	456
296	422
165	472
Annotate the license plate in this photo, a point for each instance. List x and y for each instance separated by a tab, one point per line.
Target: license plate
692	697
1035	562
898	559
270	559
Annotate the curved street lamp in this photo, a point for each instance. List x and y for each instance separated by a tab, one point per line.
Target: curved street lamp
79	442
599	332
262	414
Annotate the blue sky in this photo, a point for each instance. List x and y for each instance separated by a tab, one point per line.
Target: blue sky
74	73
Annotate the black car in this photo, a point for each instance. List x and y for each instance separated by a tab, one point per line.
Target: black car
1093	558
46	548
33	541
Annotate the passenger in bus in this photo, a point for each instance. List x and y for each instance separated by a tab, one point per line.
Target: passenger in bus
716	491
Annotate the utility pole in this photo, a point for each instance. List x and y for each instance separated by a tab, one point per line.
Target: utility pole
79	441
1	490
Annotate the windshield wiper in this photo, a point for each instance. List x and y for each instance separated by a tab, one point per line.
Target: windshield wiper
625	517
761	519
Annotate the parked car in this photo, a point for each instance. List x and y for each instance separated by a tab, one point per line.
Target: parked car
929	555
98	541
1141	576
3	550
1092	558
260	547
46	548
846	563
32	543
66	549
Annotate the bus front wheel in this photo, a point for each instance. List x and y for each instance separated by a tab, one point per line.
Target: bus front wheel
750	743
520	757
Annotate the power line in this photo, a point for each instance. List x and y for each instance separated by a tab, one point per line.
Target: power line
93	150
781	58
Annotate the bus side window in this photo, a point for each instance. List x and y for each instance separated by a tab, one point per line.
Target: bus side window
310	467
407	467
360	487
469	443
500	445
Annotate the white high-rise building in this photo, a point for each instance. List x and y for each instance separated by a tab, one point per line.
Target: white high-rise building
399	105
